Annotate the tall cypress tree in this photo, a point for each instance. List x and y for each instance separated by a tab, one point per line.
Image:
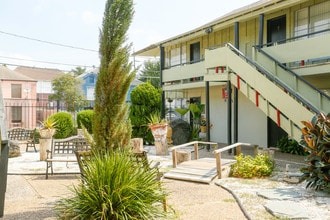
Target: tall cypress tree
111	127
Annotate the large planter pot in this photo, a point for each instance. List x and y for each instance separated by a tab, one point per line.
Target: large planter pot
159	131
45	142
3	174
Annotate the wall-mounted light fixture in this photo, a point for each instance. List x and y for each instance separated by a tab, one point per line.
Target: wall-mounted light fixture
208	30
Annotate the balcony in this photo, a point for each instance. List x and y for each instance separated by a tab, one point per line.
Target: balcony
189	75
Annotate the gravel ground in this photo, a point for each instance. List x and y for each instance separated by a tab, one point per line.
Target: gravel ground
33	197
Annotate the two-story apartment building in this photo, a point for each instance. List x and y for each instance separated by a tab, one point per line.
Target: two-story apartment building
260	69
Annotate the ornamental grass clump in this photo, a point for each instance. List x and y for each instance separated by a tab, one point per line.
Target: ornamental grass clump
114	187
316	140
251	167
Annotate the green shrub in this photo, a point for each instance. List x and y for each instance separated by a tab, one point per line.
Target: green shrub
36	136
249	167
316	140
146	100
114	187
64	124
85	119
290	146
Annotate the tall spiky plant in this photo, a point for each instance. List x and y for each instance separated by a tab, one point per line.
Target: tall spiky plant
111	128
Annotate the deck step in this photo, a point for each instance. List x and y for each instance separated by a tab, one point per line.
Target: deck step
202	170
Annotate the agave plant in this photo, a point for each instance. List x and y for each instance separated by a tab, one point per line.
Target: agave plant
316	140
49	123
155	118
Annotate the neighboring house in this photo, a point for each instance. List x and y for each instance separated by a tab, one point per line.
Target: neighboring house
89	81
44	77
19	93
88	86
273	74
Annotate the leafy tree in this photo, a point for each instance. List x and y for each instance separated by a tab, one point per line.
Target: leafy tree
78	71
146	99
151	73
110	126
68	89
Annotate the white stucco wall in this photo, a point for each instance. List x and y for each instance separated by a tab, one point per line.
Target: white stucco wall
252	122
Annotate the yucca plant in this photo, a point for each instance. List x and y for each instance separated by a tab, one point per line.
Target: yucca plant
114	187
316	140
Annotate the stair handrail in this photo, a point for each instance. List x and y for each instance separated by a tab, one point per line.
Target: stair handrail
291	72
274	79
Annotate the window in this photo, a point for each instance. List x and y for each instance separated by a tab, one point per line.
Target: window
16	114
178	56
91	79
301	25
16	90
90	93
175	56
320	17
312	19
183	54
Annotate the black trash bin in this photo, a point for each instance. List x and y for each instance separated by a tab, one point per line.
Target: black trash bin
3	174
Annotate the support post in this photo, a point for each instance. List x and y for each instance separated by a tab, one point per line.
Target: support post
229	115
174	159
261	29
236	91
218	161
196	150
207	88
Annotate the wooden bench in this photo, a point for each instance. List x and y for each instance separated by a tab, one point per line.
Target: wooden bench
23	135
63	150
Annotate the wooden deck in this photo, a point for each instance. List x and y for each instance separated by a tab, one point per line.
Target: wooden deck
202	170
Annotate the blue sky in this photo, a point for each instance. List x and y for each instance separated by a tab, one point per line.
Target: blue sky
77	23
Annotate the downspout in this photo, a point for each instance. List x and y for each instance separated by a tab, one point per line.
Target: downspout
162	66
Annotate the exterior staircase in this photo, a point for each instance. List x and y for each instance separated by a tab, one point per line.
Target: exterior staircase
281	94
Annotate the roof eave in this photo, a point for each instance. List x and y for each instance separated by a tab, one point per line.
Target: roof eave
252	9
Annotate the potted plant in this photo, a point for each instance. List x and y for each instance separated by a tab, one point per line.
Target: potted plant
158	129
47	130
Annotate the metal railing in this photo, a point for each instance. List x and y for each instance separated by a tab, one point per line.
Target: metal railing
28	113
